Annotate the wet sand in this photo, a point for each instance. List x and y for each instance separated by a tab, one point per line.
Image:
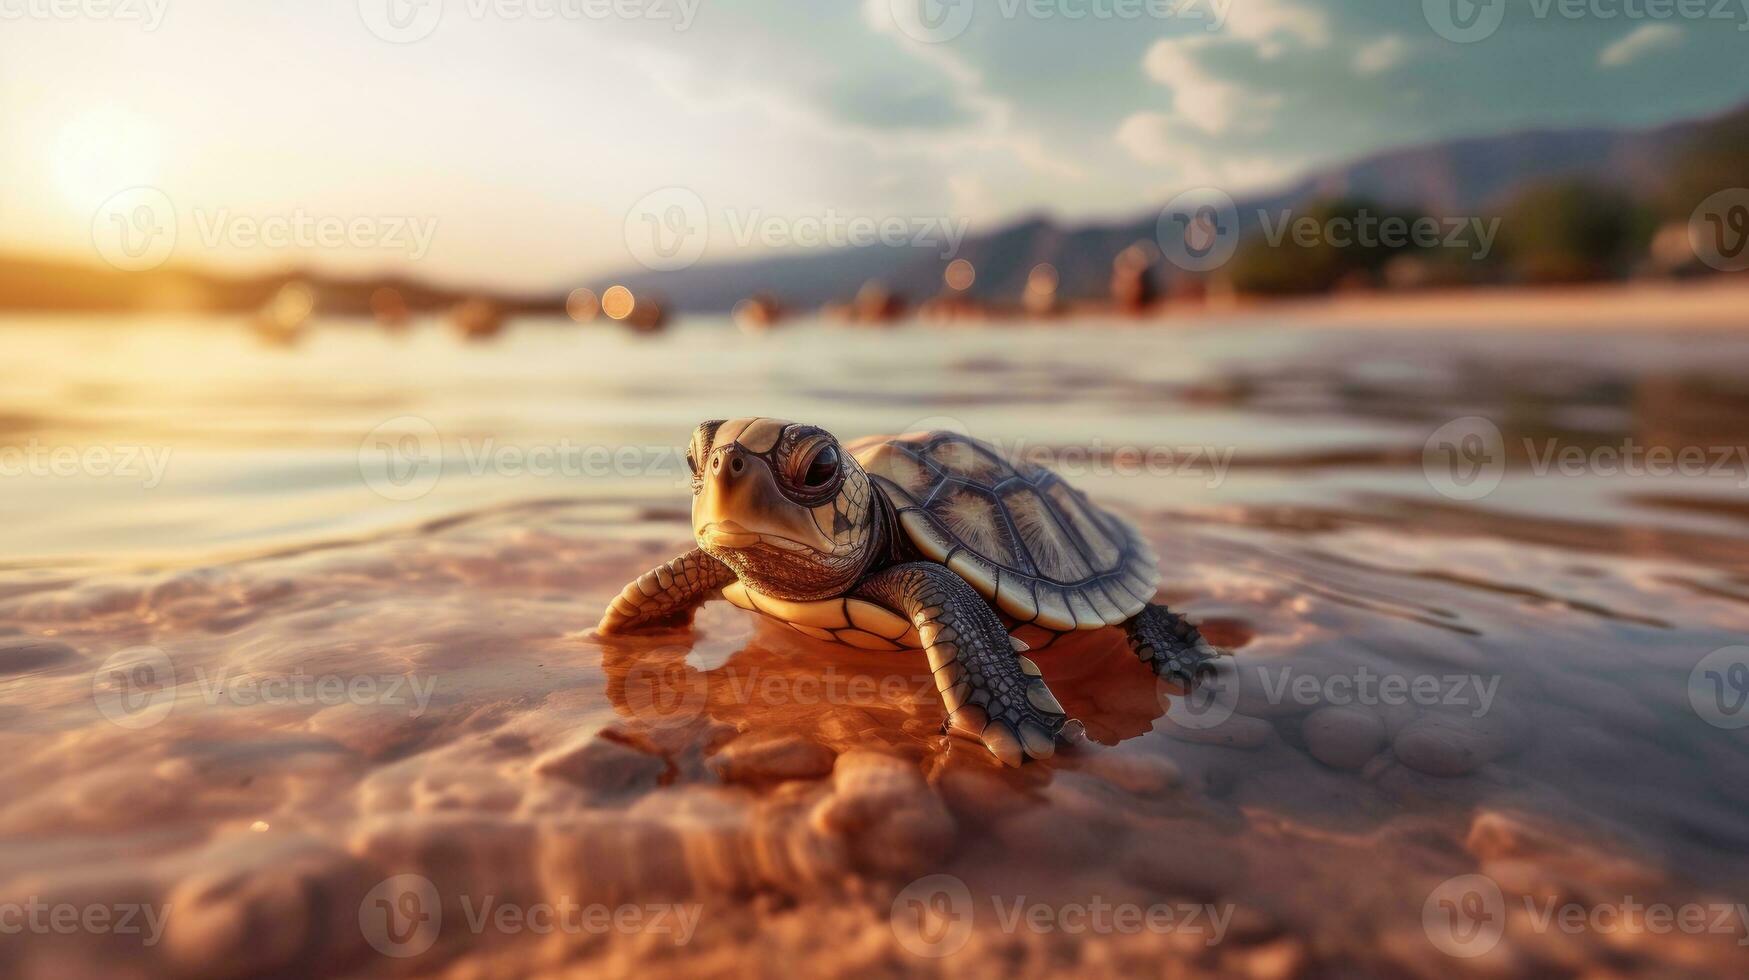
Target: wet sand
351	754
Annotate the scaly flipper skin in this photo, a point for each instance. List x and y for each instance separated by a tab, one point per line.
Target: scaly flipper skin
991	692
667	593
1168	643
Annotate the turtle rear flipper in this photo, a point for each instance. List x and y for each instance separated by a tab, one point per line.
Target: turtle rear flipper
991	692
1168	643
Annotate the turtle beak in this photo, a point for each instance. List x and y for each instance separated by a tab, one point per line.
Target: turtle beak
740	506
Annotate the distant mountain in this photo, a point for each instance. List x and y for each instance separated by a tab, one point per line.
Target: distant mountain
1461	177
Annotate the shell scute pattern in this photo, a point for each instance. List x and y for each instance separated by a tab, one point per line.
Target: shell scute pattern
1017	532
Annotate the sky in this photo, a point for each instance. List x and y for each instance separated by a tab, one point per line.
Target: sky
521	143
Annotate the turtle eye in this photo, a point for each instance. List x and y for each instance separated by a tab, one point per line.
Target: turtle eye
822	468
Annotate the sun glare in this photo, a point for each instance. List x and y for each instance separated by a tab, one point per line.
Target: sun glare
103	151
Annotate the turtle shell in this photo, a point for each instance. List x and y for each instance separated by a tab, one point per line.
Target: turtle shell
1017	532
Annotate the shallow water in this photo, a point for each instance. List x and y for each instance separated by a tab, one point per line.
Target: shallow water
320	616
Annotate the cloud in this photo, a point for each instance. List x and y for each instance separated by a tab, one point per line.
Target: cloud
1640	42
880	103
1161	139
995	126
1381	55
1201	98
1270	24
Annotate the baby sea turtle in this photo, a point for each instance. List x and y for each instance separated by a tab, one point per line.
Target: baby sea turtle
928	540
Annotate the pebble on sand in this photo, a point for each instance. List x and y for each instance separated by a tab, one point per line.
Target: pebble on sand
1443	745
1344	736
893	822
1142	775
772	759
602	765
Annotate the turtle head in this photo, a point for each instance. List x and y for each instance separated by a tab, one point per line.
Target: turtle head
783	505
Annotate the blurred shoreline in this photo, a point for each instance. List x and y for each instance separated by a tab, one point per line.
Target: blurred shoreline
1713	303
1717	304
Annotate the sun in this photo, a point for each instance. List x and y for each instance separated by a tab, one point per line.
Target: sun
102	151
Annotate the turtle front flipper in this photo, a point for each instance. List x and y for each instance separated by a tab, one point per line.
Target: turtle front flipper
991	692
1168	643
668	593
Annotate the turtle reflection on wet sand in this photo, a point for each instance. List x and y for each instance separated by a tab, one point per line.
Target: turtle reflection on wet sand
927	541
